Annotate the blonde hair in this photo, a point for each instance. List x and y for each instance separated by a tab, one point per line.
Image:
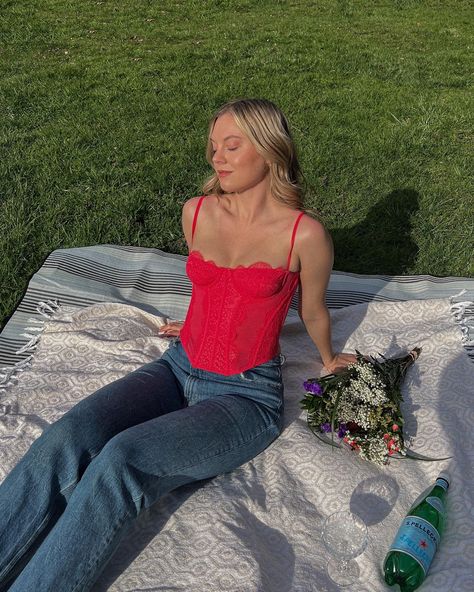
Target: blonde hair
266	127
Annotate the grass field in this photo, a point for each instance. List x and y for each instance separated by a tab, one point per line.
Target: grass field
104	107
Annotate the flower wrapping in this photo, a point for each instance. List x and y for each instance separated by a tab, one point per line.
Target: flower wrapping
361	405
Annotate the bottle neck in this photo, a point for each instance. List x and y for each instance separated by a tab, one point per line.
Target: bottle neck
440	489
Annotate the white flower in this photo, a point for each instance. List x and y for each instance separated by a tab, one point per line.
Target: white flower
375	450
367	386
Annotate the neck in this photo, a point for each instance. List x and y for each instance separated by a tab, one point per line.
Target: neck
250	206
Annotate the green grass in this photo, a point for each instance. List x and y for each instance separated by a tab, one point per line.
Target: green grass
104	109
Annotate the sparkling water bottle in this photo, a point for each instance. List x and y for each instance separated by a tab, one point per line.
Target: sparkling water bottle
410	555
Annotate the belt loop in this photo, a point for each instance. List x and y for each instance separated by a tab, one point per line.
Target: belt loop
282	358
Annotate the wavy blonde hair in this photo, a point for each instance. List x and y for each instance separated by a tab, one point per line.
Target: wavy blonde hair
266	127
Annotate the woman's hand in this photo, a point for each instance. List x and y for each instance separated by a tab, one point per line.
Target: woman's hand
170	329
340	361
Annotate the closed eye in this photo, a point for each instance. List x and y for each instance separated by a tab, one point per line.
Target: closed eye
213	151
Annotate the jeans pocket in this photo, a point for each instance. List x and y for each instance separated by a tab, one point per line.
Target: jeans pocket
267	374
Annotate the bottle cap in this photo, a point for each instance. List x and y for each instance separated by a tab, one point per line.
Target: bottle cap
445	476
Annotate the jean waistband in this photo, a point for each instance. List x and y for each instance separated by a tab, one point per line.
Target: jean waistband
280	356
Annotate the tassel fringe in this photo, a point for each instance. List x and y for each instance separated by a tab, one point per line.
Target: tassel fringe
48	309
464	318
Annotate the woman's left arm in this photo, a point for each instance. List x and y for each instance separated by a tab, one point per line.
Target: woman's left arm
316	254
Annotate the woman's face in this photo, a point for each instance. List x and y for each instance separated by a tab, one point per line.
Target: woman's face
233	152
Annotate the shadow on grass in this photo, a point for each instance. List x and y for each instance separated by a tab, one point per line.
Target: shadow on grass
382	242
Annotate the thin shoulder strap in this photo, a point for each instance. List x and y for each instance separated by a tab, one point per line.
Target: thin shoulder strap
293	239
196	214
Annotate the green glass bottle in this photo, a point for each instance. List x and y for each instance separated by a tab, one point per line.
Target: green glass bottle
410	555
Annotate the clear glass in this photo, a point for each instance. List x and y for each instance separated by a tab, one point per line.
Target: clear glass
345	536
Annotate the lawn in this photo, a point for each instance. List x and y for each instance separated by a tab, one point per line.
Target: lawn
104	107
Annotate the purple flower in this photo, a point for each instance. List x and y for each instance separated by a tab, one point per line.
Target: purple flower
313	387
342	430
325	427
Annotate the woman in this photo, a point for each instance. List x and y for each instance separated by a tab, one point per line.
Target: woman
214	400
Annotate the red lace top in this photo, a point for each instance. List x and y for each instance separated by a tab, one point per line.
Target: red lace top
235	316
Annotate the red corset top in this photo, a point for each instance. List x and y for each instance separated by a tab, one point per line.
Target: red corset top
235	314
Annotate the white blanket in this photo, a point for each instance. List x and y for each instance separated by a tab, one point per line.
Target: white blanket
258	527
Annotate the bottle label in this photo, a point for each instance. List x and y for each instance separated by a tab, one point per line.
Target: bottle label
436	503
418	538
442	483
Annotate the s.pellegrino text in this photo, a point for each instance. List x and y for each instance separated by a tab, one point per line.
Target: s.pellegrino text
417	540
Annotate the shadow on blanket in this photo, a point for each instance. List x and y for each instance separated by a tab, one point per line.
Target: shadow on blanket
257	528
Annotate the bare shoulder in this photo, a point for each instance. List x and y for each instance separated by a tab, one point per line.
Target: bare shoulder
187	217
313	243
311	229
311	234
190	205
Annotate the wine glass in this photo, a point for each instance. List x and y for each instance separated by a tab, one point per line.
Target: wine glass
345	537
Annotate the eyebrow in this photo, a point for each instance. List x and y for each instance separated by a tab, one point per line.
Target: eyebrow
227	138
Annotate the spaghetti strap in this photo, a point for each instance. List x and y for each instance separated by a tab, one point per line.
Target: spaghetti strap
196	215
293	239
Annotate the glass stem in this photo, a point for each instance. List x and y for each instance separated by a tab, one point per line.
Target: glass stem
343	565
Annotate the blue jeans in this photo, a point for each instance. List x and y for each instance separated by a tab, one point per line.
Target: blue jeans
72	497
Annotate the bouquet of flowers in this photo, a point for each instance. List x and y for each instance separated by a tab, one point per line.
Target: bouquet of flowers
361	404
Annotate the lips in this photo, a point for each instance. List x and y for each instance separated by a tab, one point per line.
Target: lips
223	173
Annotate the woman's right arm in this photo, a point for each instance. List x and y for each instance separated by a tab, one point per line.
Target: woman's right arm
173	328
187	217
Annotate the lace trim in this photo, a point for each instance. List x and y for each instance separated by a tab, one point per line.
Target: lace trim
258	264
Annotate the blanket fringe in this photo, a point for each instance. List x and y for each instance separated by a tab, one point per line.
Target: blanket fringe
464	318
48	309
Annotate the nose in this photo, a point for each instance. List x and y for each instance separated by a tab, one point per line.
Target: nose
217	156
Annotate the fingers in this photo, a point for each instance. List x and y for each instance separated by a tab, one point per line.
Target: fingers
165	331
170	329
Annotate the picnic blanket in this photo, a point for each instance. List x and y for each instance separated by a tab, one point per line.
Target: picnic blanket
257	528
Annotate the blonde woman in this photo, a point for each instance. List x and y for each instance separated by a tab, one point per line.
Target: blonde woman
214	400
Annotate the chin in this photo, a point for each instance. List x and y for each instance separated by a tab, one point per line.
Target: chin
226	187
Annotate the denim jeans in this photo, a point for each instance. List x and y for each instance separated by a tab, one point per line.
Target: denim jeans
72	497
